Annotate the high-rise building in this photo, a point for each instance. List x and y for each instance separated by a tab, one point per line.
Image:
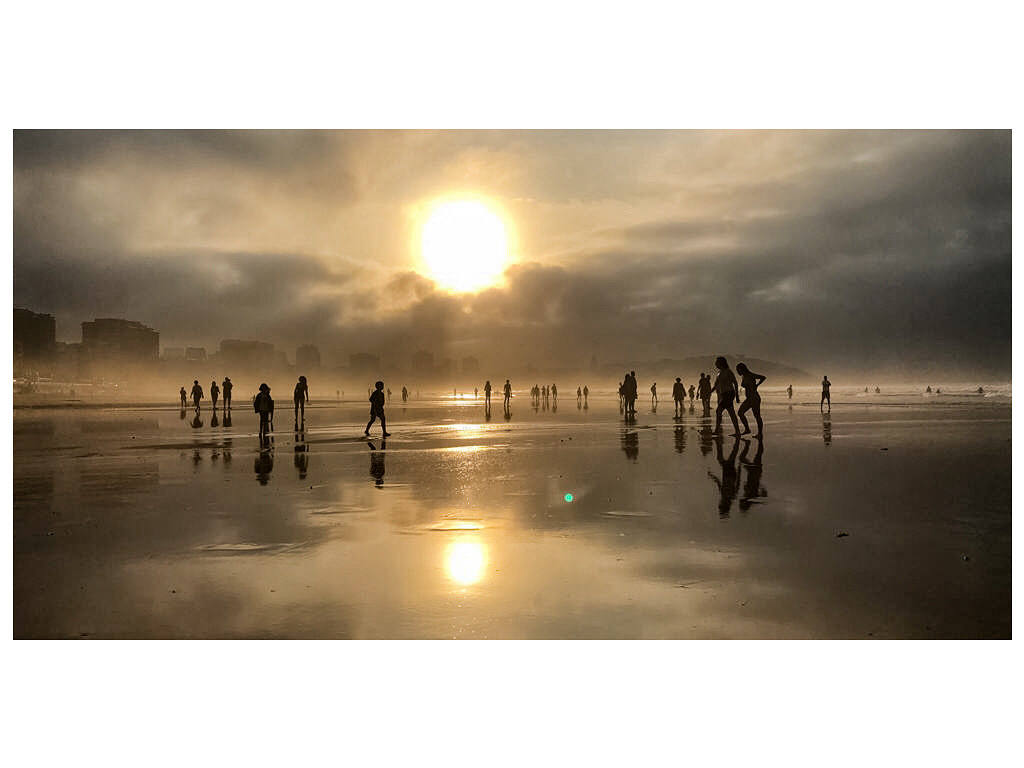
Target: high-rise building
111	338
246	354
307	358
423	364
35	335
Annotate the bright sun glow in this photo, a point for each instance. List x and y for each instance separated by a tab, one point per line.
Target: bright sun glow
465	561
464	245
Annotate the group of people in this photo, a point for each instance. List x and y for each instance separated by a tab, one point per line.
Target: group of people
262	402
197	393
538	391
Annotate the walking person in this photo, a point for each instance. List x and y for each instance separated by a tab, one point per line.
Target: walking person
654	394
377	410
263	404
197	394
704	392
725	386
508	394
586	394
214	394
826	387
487	393
789	391
693	391
750	381
301	397
184	397
226	387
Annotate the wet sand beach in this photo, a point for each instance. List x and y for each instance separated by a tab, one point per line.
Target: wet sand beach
882	520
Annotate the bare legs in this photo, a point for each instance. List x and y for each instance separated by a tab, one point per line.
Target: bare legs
732	415
751	404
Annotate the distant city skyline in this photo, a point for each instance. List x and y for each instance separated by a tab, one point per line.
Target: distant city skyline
845	250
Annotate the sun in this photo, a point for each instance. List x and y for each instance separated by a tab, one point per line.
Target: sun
464	245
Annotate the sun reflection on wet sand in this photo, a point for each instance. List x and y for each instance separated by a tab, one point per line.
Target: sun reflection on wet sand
465	560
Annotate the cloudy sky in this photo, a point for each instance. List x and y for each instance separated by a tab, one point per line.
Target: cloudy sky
883	251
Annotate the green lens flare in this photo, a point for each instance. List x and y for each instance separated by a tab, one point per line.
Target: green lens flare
568	497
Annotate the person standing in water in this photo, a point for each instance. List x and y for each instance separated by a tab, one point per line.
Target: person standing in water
214	393
405	395
554	392
725	386
826	385
704	393
789	391
184	397
300	397
226	387
586	394
750	381
487	392
263	404
678	396
197	393
508	394
377	410
654	394
693	392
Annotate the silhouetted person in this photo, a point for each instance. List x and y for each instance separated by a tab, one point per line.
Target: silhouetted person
586	395
405	395
487	393
226	387
878	391
377	410
389	394
728	486
704	393
654	393
752	490
301	453
678	395
508	394
750	381
633	391
476	393
579	395
377	462
184	397
725	386
789	391
263	404
826	386
554	392
197	393
693	393
928	389
622	395
301	397
214	394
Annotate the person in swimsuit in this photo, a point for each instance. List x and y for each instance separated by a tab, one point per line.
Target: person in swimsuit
301	397
750	382
725	386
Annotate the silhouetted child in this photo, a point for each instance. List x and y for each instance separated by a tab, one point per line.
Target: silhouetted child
263	404
184	397
377	410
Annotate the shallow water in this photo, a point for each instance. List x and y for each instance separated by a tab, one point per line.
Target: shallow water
566	523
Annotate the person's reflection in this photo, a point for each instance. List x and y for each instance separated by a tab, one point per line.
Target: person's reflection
554	405
182	414
377	462
728	486
826	429
631	444
264	463
226	453
196	458
487	410
227	417
196	421
680	435
213	419
707	436
301	452
508	412
753	492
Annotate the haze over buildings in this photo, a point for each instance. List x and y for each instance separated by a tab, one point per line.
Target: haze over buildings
880	250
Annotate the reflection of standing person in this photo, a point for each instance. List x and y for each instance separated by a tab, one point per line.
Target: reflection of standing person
301	397
226	386
826	386
725	387
728	486
751	381
753	491
508	393
377	410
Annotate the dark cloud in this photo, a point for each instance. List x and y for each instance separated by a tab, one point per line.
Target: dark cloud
877	250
